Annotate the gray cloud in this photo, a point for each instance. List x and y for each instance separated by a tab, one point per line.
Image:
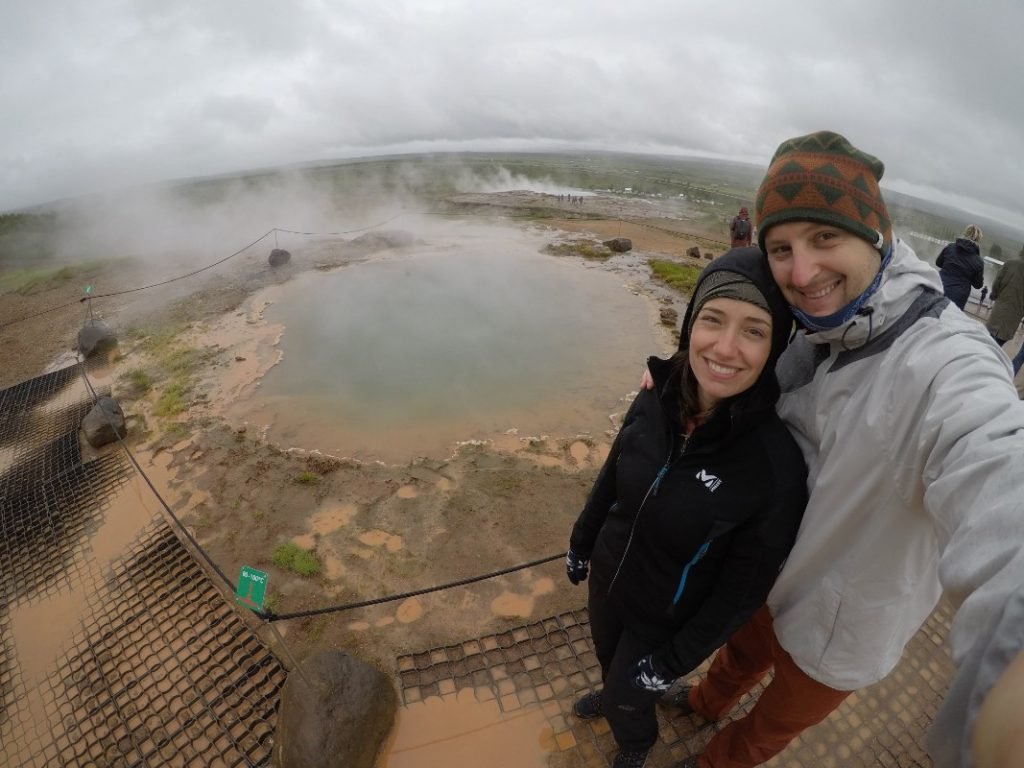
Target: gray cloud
116	93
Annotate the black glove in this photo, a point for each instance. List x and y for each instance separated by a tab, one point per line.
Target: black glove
575	567
652	676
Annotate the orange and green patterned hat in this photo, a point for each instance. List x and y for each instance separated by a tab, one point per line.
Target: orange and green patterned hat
822	177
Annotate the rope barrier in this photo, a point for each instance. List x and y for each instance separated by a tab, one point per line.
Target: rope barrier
275	230
197	271
270	616
182	277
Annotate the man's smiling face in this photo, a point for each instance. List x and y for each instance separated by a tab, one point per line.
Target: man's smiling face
820	268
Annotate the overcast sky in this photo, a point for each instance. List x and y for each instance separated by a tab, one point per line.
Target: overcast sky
113	93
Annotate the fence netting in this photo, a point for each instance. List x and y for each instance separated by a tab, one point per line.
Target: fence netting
115	647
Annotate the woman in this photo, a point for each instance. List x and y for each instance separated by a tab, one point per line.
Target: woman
697	505
960	266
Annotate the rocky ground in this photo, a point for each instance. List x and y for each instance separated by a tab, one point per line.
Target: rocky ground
377	530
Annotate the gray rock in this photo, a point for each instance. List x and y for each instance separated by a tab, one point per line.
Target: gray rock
342	723
104	423
95	336
669	317
279	257
619	244
709	256
693	253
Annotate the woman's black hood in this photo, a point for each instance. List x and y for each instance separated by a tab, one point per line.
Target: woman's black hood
752	264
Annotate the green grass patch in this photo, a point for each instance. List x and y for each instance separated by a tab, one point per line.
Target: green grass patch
139	381
306	478
29	281
171	401
292	557
587	250
681	277
161	342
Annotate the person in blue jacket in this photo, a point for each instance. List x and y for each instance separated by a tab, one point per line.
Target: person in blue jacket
697	505
960	266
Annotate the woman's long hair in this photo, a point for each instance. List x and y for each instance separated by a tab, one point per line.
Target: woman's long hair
689	397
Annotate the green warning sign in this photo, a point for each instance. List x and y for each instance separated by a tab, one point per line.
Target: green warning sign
88	290
252	587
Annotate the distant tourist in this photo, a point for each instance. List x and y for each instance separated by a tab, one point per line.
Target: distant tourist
697	505
984	295
960	266
1008	305
740	229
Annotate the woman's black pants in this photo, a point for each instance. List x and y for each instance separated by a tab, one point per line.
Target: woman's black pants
620	644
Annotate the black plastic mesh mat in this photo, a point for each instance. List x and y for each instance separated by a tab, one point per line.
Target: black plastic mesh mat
548	664
115	647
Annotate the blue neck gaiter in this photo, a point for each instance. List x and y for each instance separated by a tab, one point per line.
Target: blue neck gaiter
846	314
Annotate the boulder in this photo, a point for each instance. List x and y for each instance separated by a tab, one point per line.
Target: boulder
342	722
669	317
95	336
709	256
104	423
693	253
279	257
619	244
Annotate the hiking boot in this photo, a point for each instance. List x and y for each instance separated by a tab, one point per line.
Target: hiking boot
588	707
678	700
628	759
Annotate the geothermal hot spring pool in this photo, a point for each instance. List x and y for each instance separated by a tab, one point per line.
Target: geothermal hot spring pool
463	337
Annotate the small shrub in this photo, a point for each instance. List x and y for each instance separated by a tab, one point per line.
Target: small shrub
292	557
306	478
681	277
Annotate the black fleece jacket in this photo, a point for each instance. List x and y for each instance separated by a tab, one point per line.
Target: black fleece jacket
689	536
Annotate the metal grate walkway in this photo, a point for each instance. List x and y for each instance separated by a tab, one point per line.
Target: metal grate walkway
115	648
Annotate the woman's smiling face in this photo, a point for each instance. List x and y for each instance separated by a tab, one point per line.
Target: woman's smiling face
730	342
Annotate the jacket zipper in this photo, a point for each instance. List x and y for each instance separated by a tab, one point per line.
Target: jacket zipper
653	490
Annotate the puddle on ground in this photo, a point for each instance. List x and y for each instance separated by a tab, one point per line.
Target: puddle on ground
389	541
334	568
543	586
405	356
331	519
41	628
409	611
461	732
511	605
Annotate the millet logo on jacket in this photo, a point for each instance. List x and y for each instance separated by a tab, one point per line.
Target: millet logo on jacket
711	482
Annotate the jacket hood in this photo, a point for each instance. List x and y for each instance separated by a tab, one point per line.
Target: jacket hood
903	279
751	263
968	245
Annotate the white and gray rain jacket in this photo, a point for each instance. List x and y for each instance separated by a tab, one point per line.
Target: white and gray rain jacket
913	435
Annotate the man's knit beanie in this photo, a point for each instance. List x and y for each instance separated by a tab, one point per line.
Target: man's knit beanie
723	284
823	178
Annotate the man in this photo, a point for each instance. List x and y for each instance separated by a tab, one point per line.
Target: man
740	229
1008	305
914	439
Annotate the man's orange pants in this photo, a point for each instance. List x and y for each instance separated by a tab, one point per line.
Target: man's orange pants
791	702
